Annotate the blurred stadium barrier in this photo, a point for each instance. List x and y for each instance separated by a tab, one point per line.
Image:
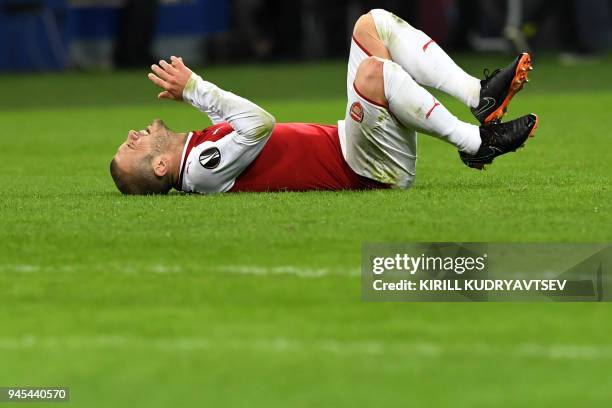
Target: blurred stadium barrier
58	34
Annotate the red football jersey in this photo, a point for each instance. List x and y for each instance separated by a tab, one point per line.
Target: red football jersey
296	157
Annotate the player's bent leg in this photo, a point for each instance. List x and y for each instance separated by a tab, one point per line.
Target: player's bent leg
430	66
386	106
423	59
415	107
381	81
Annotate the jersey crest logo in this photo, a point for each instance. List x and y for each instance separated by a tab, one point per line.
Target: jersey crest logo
210	158
357	112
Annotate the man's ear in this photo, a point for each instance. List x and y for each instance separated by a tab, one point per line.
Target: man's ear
160	166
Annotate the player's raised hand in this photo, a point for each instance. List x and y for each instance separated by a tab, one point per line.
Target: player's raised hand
172	78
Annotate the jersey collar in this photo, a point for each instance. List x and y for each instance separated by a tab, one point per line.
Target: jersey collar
179	184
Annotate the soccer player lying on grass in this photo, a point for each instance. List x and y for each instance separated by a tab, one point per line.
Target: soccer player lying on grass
373	147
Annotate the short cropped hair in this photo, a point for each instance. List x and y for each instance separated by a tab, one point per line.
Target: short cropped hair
142	180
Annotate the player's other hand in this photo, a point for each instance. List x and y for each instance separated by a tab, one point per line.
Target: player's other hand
172	78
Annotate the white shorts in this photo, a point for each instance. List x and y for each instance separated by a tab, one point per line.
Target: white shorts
374	143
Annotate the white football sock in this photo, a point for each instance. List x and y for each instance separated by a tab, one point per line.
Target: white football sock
424	60
416	108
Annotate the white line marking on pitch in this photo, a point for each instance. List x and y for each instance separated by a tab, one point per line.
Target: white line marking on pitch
332	346
135	269
275	270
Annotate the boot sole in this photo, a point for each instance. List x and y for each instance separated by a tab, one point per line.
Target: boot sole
521	77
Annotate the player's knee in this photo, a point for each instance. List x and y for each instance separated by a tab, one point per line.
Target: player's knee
370	81
364	23
366	35
370	69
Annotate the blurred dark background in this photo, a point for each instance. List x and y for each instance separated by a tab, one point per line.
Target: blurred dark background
42	35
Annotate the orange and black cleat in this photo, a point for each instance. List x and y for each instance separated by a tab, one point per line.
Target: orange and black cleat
498	89
501	138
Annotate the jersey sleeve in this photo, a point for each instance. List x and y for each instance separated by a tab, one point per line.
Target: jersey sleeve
213	166
251	123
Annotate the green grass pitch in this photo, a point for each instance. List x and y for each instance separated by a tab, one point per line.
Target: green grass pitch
254	299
